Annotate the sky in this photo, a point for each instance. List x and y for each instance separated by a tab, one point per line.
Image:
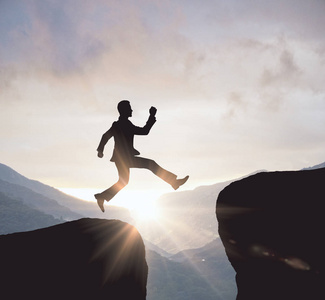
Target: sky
239	87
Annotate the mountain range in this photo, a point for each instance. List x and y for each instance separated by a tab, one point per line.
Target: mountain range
28	204
200	272
16	216
52	201
189	223
188	219
197	274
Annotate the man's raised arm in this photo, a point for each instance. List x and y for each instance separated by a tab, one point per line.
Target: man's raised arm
151	120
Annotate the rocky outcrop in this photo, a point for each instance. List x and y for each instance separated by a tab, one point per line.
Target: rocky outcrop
84	259
272	227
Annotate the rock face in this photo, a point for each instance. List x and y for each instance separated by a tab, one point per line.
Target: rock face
84	259
272	227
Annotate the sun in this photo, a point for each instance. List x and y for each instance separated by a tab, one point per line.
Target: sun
146	210
141	204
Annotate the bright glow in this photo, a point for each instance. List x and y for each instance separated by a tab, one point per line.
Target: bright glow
141	204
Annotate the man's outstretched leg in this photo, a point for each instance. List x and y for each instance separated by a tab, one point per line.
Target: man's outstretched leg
140	162
124	174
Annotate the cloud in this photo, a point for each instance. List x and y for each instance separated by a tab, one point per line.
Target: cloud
286	72
261	19
143	44
236	104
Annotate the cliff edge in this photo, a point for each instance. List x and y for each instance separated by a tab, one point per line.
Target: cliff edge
84	259
272	227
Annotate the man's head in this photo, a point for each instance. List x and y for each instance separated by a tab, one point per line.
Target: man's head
124	108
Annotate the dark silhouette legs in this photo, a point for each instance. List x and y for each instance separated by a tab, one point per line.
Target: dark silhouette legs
124	174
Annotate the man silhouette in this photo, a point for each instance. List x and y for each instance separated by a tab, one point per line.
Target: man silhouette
125	156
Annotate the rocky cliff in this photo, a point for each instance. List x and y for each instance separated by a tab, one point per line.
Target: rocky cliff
84	259
272	227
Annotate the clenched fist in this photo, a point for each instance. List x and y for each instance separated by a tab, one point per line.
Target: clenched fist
152	111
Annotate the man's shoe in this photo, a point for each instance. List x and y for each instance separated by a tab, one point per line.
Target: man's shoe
178	182
100	201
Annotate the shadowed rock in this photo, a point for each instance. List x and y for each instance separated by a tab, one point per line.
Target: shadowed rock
272	226
84	259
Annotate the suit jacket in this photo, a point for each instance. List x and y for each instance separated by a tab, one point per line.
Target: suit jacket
123	132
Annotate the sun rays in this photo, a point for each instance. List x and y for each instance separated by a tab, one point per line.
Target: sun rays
142	204
159	220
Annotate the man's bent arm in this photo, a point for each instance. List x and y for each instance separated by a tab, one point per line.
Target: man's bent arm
146	128
106	136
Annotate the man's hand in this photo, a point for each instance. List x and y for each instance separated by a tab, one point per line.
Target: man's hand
152	111
100	154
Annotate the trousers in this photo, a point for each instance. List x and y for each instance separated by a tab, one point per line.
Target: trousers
123	168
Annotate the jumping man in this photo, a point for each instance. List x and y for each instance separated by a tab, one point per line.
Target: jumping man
126	157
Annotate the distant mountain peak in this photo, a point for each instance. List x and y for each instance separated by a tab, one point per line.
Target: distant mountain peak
51	201
319	166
